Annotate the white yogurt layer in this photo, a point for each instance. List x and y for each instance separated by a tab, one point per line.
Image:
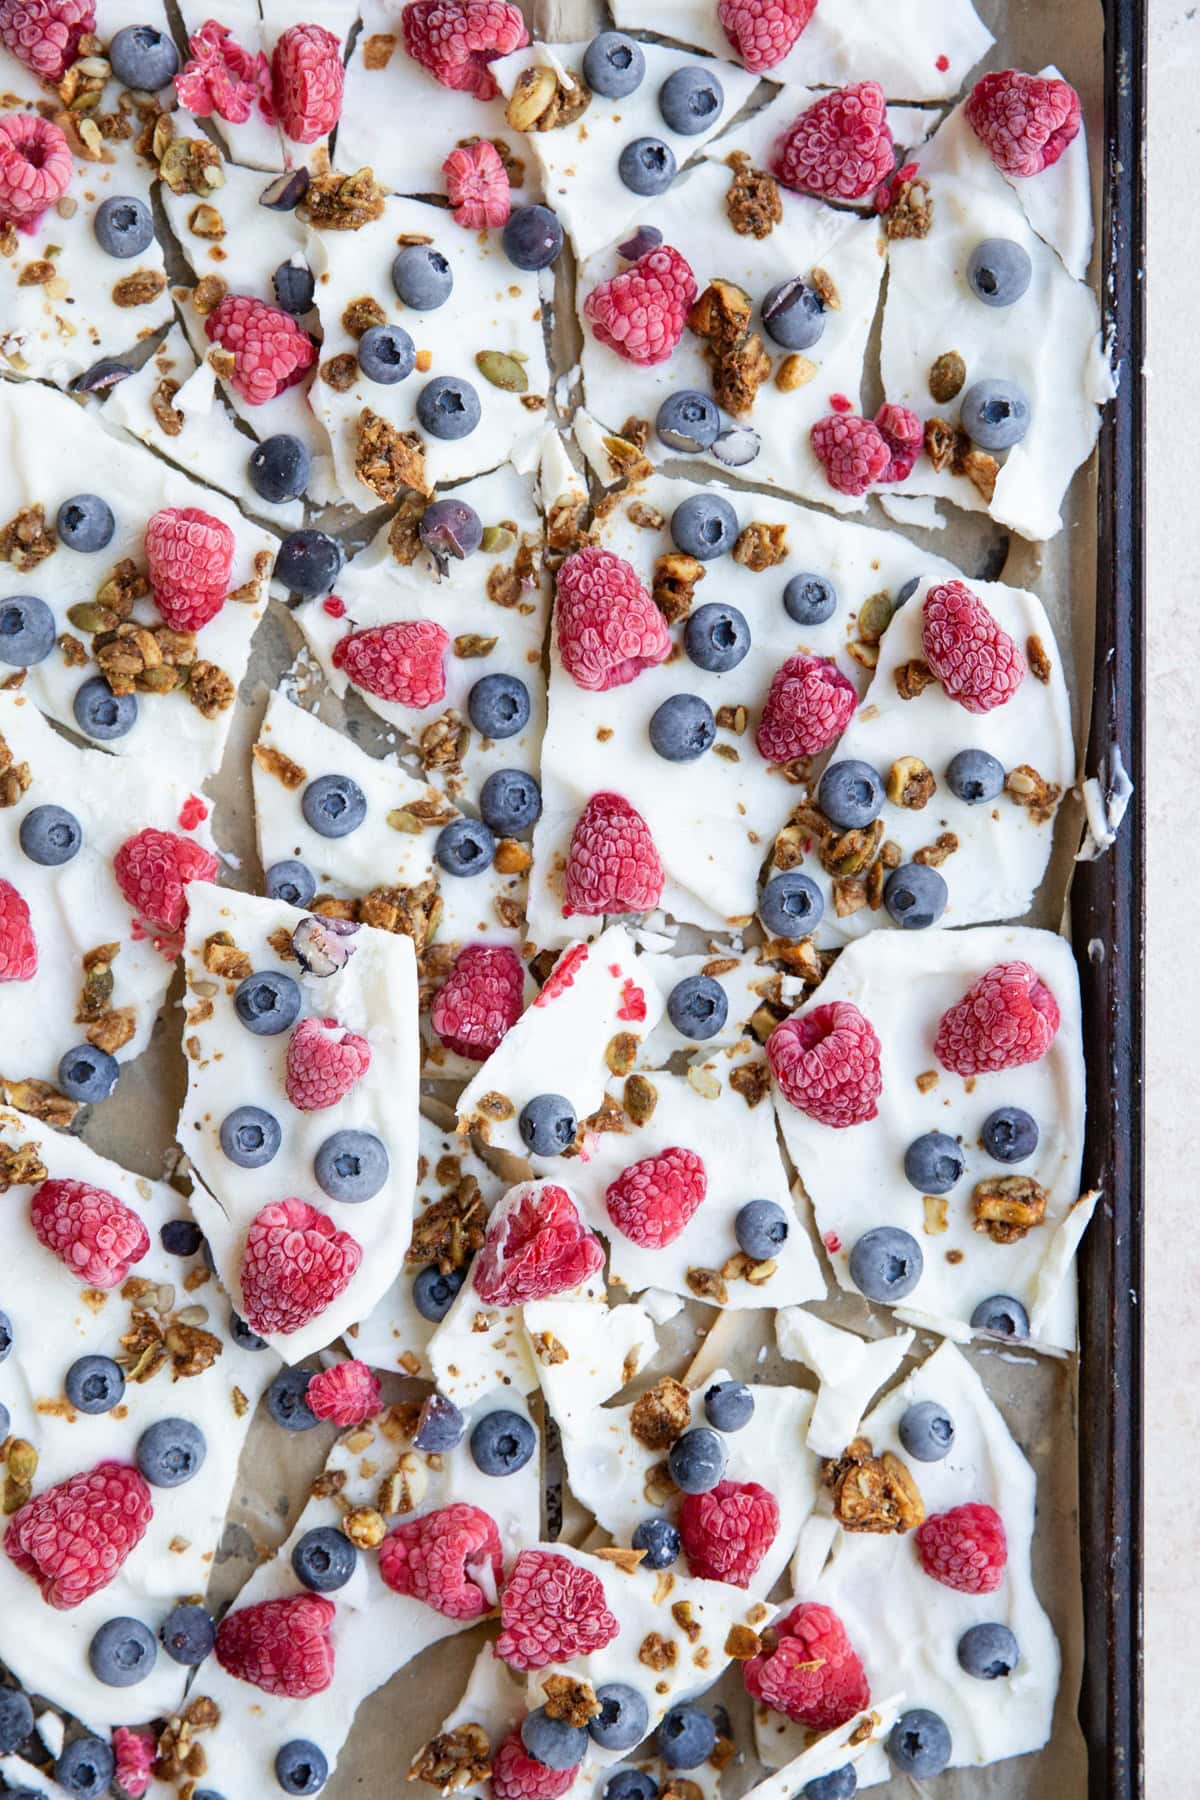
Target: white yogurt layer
1058	202
855	1176
858	1741
55	1321
374	994
850	1370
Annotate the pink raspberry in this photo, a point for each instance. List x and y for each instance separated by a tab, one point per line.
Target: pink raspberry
134	1753
808	707
270	352
536	1246
451	1559
840	147
477	186
612	865
826	1064
324	1061
852	451
96	1235
189	556
1007	1018
223	78
35	168
153	869
641	312
518	1776
965	1548
1024	122
813	1675
73	1538
400	662
280	1646
295	1264
651	1201
563	974
607	627
18	946
480	1000
904	435
727	1531
973	657
457	39
45	34
551	1610
348	1393
764	31
306	82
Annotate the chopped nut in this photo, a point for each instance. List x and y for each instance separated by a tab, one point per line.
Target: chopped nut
343	202
572	1701
752	204
752	1081
625	1560
707	1284
927	1080
542	101
386	460
741	1643
872	1493
823	285
1007	1207
684	1617
761	546
661	1415
656	1651
946	378
794	371
913	677
674	584
139	288
934	855
377	54
910	783
548	1349
1038	658
937	1209
981	471
275	763
223	958
512	857
945	445
364	1527
1038	796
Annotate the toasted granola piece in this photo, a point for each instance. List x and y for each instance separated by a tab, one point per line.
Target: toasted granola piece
1007	1207
872	1493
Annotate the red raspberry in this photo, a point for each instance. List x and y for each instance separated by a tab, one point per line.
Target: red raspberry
536	1246
904	435
563	974
73	1538
477	186
607	626
45	34
826	1063
296	1263
96	1235
965	1548
1008	1018
306	82
451	1559
280	1646
348	1393
153	869
480	1000
651	1201
764	31
189	555
813	1675
808	707
727	1531
324	1061
518	1776
35	168
270	352
1024	122
551	1610
400	662
975	660
641	312
853	452
840	147
612	865
134	1752
223	78
18	946
457	39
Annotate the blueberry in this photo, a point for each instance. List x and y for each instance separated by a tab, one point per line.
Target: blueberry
995	414
465	847
122	1652
292	881
839	1784
927	1431
287	1400
704	526
207	1794
728	1405
809	599
552	1742
85	1768
440	1426
1001	1315
250	1136
793	314
904	594
242	1335
27	633
50	835
448	407
286	190
450	528
386	354
647	166
85	522
333	805
510	800
548	1124
791	905
188	1634
123	228
988	1652
999	271
94	1384
295	287
687	1737
886	1264
915	896
533	237
661	1542
682	728
106	373
180	1237
630	1784
919	1743
850	794
717	638
933	1163
143	58
624	1717
422	277
87	1074
645	238
761	1229
323	946
99	713
502	1442
1010	1134
498	706
6	1336
698	1007
308	563
697	1460
171	1452
613	65
280	468
736	446
434	1292
975	776
688	421
324	1559
301	1768
16	1719
351	1166
690	100
5	1422
267	1002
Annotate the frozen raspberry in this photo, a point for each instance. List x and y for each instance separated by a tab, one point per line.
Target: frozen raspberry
306	82
563	974
134	1752
612	865
324	1061
152	870
651	1201
223	78
551	1610
852	451
480	1000
18	947
813	1675
518	1776
808	707
280	1646
189	555
457	39
904	435
270	352
727	1531
1024	122
826	1063
73	1538
296	1262
536	1246
965	1548
96	1235
451	1559
45	34
477	186
35	168
400	662
763	31
641	312
975	660
348	1393
607	627
1009	1017
840	147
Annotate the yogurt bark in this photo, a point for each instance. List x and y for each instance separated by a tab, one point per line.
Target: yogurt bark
850	1370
